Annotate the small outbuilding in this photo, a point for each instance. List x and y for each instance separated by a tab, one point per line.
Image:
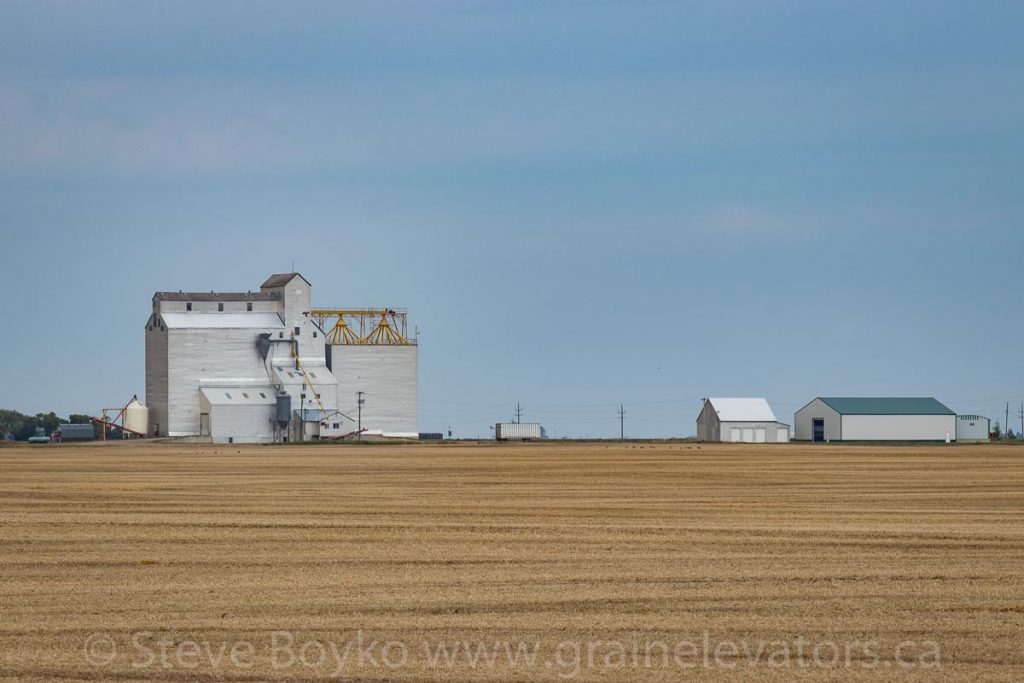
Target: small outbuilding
875	419
740	420
74	432
973	428
237	413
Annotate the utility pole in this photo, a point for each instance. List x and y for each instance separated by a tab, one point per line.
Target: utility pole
1021	414
622	423
519	413
1006	423
359	407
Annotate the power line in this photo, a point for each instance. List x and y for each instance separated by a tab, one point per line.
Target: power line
560	405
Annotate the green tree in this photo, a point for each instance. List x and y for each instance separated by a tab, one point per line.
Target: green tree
11	423
48	421
20	427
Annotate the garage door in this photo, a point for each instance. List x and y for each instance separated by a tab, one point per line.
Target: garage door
760	435
734	434
748	435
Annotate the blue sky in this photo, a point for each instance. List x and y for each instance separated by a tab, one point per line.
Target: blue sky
580	203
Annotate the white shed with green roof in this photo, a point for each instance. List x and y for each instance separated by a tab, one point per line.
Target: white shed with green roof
875	419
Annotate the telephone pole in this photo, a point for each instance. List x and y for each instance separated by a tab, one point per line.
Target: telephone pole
359	404
1020	435
1006	423
622	423
519	413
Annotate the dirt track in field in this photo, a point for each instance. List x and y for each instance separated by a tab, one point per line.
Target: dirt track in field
607	562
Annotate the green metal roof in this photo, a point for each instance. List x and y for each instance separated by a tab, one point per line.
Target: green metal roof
887	406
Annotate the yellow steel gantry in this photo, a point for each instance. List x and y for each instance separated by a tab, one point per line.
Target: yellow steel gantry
362	326
305	375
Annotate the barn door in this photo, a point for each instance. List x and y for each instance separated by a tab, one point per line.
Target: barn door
204	424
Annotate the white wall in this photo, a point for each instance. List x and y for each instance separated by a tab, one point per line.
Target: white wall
345	426
389	376
296	297
243	423
974	429
197	354
898	427
770	430
804	420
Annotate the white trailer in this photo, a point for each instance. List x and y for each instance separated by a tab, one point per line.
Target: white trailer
518	431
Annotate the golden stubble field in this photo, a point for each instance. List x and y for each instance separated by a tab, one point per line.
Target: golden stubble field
542	561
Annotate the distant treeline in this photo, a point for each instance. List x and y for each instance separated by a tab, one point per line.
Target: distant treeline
19	427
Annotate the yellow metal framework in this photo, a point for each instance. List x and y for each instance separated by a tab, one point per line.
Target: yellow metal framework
363	326
305	375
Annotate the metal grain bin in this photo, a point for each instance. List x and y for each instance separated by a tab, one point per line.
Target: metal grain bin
76	432
284	408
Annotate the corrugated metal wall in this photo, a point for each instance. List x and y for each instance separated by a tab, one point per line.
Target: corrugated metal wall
243	423
389	376
972	428
195	354
515	431
898	427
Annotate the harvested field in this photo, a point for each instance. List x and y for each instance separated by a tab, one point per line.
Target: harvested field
608	562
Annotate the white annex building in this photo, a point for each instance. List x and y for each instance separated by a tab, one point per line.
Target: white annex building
747	420
875	419
972	428
267	367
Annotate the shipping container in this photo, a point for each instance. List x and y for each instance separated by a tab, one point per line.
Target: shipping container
518	431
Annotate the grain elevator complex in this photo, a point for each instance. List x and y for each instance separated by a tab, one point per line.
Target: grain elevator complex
268	367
